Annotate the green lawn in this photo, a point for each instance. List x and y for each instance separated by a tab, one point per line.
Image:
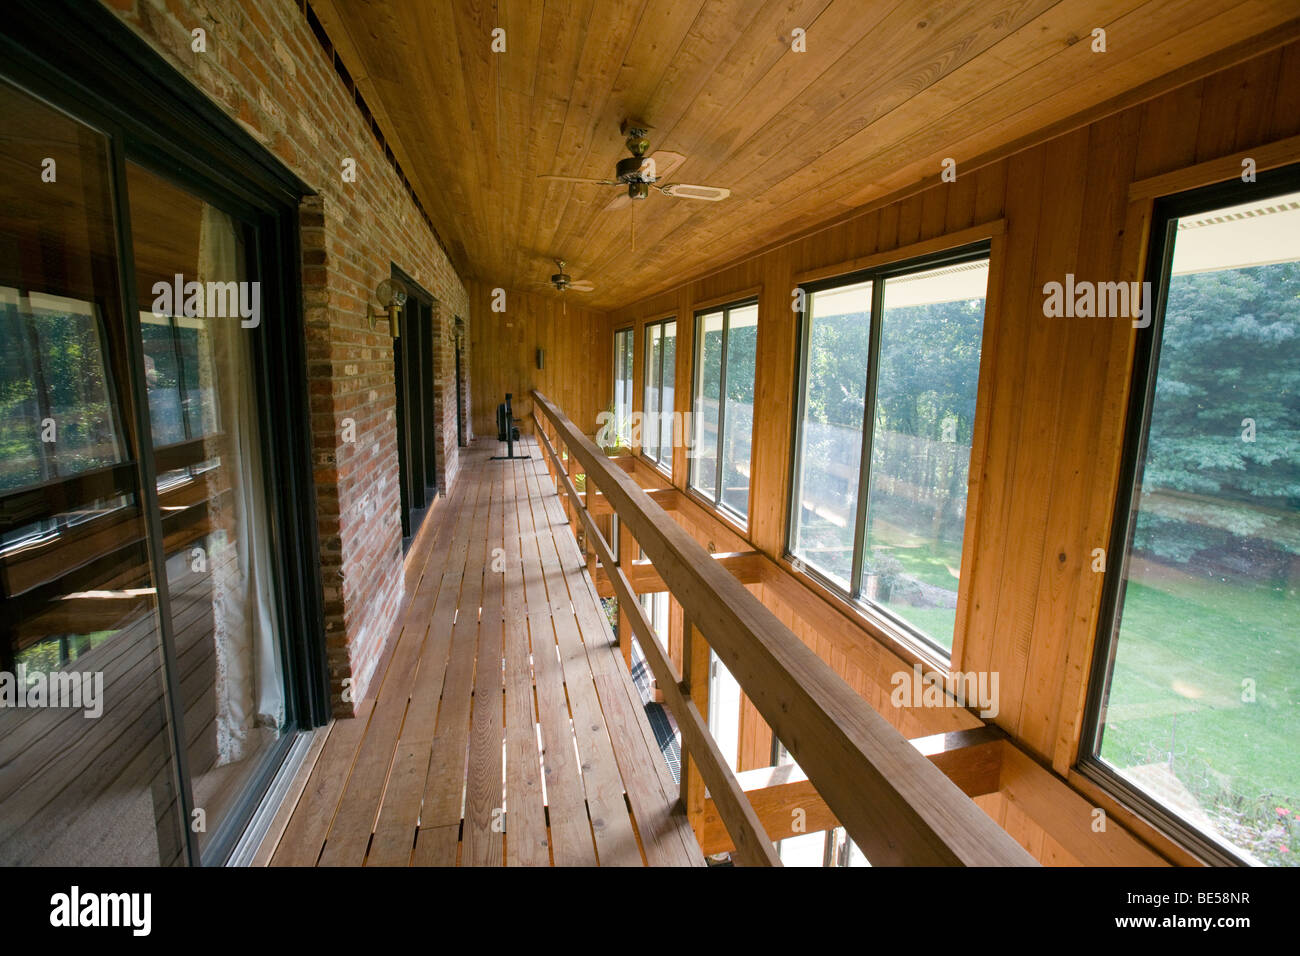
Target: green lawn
1186	645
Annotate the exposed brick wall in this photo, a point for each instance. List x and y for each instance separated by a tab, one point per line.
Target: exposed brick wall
265	68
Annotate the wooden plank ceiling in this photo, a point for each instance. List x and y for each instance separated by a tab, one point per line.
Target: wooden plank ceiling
884	92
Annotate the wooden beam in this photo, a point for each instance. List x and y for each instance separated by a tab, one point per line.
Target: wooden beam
747	566
598	504
789	805
1068	817
897	806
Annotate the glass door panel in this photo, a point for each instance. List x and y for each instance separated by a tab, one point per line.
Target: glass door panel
87	769
206	422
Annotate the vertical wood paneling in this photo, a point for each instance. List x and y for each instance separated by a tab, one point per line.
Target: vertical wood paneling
1053	391
579	357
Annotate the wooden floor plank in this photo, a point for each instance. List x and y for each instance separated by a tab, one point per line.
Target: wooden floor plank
501	705
445	789
527	843
484	787
666	835
570	828
395	830
616	842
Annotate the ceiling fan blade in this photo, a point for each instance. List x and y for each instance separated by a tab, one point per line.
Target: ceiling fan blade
579	179
619	201
666	163
687	191
582	285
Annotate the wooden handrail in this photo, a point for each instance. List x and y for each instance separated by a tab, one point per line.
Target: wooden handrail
896	805
742	823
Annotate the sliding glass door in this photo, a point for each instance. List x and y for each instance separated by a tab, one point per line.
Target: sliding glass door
89	772
148	690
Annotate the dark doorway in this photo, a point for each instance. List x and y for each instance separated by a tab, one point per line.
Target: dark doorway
460	398
415	383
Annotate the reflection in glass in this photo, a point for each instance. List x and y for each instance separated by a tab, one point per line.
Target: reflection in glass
217	553
1201	707
830	448
90	781
926	386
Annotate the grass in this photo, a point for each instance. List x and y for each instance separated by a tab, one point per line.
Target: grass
1186	645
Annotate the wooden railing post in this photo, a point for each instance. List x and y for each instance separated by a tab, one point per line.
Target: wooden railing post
627	553
695	687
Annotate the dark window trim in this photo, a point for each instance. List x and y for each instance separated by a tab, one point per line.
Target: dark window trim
715	502
1142	387
968	252
84	61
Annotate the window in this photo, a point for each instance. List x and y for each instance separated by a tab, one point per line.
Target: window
1193	706
725	349
889	374
660	367
621	430
724	710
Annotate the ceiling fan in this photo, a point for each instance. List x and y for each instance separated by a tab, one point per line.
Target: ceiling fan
640	172
564	282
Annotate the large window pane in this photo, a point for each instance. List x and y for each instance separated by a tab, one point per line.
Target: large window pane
666	400
738	414
218	553
723	412
708	393
931	328
88	775
623	358
1200	707
660	367
650	405
830	440
724	710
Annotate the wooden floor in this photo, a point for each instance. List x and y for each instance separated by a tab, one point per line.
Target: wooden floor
505	729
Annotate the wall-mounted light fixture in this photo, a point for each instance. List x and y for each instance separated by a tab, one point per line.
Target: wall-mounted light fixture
541	358
391	294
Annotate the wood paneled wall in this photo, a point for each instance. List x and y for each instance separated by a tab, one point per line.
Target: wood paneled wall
579	357
1050	417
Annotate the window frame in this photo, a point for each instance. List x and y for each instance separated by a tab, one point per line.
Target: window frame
1164	213
658	460
715	503
877	276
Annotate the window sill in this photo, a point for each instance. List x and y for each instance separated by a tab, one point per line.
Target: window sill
897	639
1169	834
728	518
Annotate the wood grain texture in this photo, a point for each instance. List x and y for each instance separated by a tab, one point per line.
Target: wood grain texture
502	679
797	136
